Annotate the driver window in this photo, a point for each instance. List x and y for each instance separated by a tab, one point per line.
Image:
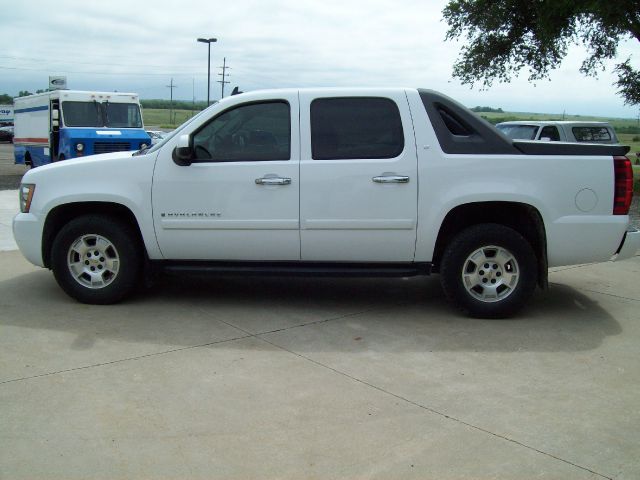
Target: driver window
248	133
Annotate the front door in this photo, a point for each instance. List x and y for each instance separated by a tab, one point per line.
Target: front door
239	199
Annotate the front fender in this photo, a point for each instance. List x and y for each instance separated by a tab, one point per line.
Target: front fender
111	178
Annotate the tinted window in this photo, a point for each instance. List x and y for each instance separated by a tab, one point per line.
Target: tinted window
551	133
591	134
362	127
82	114
254	132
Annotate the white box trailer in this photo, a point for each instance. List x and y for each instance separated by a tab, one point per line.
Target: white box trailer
64	124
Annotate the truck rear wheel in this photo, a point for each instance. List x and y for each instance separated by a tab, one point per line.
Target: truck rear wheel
97	259
489	271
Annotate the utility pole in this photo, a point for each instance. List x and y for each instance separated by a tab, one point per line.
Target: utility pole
171	86
224	75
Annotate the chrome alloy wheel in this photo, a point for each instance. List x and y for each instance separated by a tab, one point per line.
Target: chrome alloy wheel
490	273
93	261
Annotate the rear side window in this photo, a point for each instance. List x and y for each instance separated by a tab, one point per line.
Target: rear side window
355	127
591	134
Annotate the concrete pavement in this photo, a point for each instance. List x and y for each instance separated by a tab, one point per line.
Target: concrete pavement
317	378
9	206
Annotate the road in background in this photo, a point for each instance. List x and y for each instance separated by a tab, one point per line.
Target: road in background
10	174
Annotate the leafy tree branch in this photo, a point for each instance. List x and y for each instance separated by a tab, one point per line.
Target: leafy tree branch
505	36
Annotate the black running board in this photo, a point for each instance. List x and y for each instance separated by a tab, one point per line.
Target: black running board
308	269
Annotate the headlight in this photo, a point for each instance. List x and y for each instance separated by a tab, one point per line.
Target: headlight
26	195
79	147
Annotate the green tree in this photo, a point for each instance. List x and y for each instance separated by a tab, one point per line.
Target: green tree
6	99
505	36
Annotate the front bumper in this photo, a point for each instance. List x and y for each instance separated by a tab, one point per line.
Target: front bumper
27	230
629	246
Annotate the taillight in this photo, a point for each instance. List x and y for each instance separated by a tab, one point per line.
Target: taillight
623	186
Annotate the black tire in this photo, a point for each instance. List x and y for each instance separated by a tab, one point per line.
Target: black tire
117	267
504	287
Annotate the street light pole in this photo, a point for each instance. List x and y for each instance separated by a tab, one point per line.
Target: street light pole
208	41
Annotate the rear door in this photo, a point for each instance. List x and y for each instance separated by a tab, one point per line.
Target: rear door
358	177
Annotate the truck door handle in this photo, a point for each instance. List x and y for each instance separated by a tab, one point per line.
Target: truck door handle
273	181
391	179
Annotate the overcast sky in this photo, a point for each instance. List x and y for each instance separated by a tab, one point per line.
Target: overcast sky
121	45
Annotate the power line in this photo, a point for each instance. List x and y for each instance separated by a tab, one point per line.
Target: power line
75	62
120	74
224	75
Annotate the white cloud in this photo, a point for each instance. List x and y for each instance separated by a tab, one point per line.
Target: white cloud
273	43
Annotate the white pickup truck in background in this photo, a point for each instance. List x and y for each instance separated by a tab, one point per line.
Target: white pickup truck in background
360	182
560	131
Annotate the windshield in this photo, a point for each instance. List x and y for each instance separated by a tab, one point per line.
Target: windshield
519	132
82	114
95	114
122	115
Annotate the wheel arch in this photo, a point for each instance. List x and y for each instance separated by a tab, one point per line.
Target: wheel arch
522	217
62	214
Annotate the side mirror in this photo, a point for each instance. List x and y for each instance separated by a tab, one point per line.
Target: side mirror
183	154
55	114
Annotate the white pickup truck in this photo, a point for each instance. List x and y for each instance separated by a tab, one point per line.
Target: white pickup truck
360	182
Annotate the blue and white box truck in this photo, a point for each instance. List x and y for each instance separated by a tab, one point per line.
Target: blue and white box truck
64	124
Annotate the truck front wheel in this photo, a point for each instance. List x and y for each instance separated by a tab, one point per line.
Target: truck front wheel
97	259
489	271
